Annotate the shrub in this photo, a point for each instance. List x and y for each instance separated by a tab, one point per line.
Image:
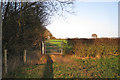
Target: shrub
93	47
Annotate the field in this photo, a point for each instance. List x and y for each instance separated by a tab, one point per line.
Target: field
58	43
75	68
54	46
80	59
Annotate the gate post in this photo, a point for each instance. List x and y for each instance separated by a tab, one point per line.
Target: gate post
24	57
43	48
5	60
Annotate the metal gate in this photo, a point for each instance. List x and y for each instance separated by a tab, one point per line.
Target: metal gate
52	47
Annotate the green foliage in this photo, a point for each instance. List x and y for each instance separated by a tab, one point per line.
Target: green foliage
67	49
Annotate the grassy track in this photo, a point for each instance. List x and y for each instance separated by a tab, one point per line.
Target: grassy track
87	68
54	46
57	42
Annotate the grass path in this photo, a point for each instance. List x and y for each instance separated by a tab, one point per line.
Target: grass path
34	71
48	72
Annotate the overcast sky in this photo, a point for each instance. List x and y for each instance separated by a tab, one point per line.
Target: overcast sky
100	18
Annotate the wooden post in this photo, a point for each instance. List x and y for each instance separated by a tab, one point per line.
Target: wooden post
40	47
24	56
5	60
61	47
43	48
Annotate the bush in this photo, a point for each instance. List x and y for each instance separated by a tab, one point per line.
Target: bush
67	49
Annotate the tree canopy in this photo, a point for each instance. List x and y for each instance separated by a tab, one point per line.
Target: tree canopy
23	23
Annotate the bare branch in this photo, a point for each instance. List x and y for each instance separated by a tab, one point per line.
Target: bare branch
26	7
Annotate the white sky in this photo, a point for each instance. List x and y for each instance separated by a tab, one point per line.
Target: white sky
100	18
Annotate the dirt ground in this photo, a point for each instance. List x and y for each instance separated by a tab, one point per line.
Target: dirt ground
63	59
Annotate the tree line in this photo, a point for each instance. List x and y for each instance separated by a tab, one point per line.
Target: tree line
23	23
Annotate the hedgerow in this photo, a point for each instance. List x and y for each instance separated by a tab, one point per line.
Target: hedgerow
94	47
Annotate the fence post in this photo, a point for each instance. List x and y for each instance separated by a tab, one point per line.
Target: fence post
61	47
5	60
24	56
43	48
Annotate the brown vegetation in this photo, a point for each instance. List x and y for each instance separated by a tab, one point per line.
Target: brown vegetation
94	47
